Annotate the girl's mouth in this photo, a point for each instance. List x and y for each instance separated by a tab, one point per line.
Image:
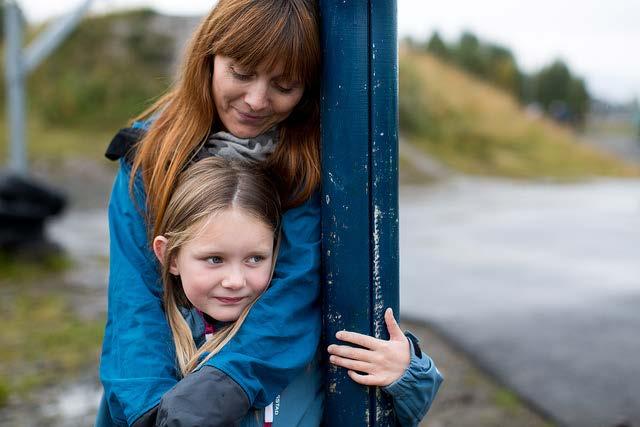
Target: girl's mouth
230	301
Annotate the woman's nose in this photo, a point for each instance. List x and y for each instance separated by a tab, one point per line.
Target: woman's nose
257	96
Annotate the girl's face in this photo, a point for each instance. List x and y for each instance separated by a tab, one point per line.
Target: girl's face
228	265
250	102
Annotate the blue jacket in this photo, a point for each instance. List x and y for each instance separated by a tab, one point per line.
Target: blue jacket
278	339
302	401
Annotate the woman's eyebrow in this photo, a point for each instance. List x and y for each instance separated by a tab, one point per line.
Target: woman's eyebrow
291	82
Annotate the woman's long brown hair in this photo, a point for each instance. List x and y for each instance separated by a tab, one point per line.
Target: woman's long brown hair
204	190
253	33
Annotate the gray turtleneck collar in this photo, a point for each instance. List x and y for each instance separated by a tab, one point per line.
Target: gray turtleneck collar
226	145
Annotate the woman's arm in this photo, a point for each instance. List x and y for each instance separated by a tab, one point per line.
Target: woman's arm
138	361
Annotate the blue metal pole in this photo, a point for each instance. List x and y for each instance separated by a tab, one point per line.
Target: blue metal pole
360	196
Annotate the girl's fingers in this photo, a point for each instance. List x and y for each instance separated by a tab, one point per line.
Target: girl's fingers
354	365
395	333
370	380
350	352
358	339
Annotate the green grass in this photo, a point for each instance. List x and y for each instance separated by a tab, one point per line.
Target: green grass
52	144
4	392
475	128
42	341
507	400
19	270
110	69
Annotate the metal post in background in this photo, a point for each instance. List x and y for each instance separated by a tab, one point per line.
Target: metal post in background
360	190
14	77
19	64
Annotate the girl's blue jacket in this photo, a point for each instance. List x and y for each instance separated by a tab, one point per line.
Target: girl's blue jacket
277	341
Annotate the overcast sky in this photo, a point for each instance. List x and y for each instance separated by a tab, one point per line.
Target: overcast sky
596	38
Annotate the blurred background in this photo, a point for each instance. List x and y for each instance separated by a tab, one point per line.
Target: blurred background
519	203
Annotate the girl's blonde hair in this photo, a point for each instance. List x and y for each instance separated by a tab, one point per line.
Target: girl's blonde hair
251	32
203	190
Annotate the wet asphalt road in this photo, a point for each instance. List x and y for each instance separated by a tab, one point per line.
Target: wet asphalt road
540	283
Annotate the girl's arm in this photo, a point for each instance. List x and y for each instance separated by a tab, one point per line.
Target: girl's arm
398	366
414	392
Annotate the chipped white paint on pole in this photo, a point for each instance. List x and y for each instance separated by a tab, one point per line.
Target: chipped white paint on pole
378	304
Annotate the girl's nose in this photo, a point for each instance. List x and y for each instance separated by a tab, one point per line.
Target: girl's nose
233	280
257	96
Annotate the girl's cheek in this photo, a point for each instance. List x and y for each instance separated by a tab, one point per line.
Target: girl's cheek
261	280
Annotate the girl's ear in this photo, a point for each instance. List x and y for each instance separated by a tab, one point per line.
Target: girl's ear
159	248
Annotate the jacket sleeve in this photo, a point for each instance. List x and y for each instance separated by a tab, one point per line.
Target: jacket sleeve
414	392
280	335
138	359
178	408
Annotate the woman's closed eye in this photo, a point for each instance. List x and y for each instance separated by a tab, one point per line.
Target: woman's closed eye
240	74
285	86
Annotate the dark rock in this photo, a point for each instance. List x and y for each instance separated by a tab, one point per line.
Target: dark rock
25	205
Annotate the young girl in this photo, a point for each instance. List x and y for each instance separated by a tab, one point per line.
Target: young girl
217	246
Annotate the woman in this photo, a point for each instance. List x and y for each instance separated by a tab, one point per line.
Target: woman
248	88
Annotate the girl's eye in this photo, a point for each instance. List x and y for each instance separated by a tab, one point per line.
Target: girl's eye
214	260
255	259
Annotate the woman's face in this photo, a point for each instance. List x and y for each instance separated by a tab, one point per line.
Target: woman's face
250	102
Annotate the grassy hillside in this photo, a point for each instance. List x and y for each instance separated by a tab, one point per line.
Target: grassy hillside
110	69
473	127
114	66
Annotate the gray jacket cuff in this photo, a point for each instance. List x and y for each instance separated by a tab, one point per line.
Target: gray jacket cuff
205	398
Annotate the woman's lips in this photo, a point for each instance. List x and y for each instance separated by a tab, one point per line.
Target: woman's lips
230	301
250	118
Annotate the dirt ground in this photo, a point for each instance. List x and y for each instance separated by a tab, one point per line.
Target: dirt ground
468	397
